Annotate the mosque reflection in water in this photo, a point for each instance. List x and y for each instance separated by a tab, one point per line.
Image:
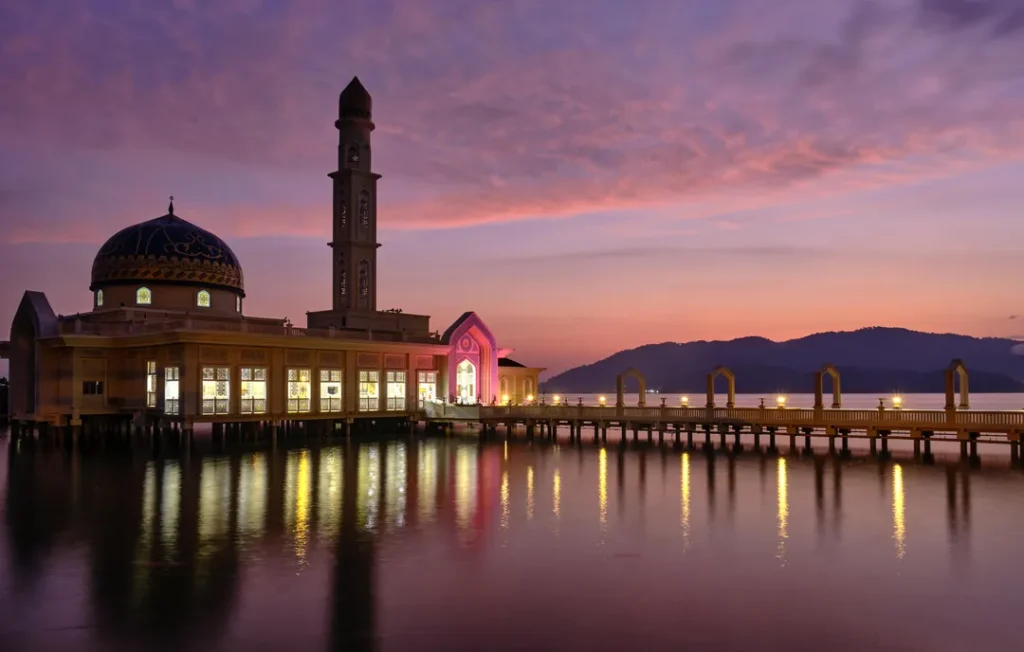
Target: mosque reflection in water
169	546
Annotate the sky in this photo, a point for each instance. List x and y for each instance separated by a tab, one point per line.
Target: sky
588	176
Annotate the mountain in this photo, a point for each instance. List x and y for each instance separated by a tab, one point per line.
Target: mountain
868	360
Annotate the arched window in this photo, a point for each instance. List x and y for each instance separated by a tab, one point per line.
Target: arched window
99	298
342	276
238	304
143	296
343	210
203	299
353	153
364	284
364	209
528	387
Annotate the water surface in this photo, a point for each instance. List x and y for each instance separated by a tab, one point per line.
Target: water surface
456	545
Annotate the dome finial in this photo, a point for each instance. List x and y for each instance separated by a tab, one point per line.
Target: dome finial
170	208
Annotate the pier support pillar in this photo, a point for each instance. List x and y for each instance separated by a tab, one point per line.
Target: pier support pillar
1014	453
928	457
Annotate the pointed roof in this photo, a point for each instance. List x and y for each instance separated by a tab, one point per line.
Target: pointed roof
355	100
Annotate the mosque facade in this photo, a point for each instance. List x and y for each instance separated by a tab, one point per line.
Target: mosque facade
168	339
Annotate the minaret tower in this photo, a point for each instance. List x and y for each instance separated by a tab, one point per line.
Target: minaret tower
355	204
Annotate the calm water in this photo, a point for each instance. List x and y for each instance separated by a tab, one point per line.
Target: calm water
453	545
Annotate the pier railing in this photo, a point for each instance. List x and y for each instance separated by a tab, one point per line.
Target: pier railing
897	418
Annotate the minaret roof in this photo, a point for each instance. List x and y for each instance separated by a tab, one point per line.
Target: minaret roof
355	100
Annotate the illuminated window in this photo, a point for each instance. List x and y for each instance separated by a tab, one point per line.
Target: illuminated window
143	296
330	390
254	391
99	298
151	384
171	391
396	390
369	391
238	304
300	390
427	386
203	299
216	390
465	382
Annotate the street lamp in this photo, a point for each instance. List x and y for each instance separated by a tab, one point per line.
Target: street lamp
780	400
602	400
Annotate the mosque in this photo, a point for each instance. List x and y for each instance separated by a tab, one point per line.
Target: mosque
167	339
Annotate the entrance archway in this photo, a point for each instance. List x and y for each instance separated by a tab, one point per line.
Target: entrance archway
465	383
730	379
957	371
819	388
620	387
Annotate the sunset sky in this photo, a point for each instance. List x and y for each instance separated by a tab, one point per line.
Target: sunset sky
588	176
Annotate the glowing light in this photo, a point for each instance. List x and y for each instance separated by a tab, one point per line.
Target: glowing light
783	511
529	398
529	492
602	489
684	496
684	401
899	524
780	400
504	399
897	401
556	399
302	490
602	400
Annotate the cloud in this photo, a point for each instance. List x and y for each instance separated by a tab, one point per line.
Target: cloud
499	112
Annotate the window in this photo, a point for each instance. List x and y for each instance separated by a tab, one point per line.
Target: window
369	391
364	209
203	299
300	390
353	153
238	304
143	297
427	386
99	298
342	276
254	391
396	390
92	388
171	389
151	384
330	390
528	387
216	390
465	383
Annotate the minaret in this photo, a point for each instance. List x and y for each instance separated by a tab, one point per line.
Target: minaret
355	204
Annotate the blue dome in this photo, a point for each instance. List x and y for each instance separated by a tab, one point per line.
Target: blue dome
167	249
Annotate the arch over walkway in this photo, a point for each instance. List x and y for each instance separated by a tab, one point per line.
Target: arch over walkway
957	370
620	387
730	377
819	388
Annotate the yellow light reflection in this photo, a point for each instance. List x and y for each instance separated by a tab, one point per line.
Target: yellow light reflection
783	510
465	487
602	488
329	499
504	500
529	492
302	488
368	486
684	491
557	504
506	450
170	507
899	525
427	482
395	473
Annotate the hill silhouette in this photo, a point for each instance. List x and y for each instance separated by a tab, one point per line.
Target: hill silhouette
869	360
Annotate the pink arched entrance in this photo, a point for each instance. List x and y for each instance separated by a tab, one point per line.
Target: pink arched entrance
472	361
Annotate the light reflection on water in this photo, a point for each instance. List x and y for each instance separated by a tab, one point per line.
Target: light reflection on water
405	544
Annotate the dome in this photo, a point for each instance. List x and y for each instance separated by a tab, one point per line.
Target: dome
167	250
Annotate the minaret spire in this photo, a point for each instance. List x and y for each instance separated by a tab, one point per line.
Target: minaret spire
170	207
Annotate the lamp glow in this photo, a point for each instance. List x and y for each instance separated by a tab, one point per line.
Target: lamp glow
602	400
780	400
897	401
556	399
529	399
684	401
504	399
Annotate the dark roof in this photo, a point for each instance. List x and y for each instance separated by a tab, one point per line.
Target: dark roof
509	362
167	249
355	101
447	337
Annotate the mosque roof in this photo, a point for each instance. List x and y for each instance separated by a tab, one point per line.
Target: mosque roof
167	249
355	101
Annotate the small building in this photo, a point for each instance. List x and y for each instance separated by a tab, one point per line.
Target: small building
168	339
